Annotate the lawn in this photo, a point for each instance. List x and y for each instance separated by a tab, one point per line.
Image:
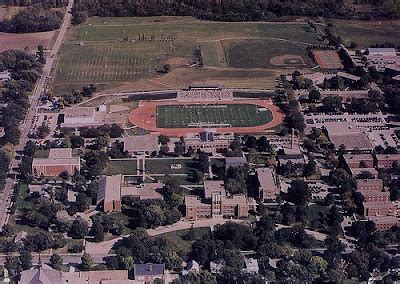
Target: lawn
178	240
235	115
258	53
367	33
124	167
108	51
163	166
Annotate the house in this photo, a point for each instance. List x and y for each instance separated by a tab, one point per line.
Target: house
268	180
149	272
141	144
44	274
59	160
251	265
386	161
217	202
359	160
111	189
369	185
235	162
20	237
208	141
216	266
381	51
191	267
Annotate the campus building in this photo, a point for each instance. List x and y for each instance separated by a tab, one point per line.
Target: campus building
386	161
141	144
268	180
208	141
378	209
384	223
359	161
217	202
369	185
111	189
376	196
59	160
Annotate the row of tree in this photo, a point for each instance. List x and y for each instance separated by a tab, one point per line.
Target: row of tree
227	10
32	19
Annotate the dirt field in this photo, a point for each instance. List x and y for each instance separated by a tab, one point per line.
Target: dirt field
145	116
110	53
30	41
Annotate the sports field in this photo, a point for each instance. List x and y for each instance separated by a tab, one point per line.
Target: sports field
178	118
232	115
110	52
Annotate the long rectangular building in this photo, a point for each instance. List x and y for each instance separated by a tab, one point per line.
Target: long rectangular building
59	160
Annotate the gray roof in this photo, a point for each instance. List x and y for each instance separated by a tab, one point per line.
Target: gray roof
41	275
148	269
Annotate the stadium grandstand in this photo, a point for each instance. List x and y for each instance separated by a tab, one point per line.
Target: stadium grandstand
197	94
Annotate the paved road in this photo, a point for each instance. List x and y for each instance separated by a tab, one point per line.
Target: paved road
26	125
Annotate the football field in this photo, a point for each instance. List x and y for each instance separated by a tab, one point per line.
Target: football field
217	115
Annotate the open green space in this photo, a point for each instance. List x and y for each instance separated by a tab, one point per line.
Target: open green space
124	167
258	53
115	51
367	33
163	166
235	115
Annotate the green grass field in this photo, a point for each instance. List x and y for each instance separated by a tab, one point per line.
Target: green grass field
367	33
96	53
124	167
235	115
163	166
258	53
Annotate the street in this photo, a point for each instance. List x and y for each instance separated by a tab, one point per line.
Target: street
26	125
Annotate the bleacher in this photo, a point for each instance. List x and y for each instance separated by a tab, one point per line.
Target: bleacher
205	95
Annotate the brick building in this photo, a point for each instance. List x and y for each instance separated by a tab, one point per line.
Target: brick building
378	209
209	142
111	189
369	184
376	196
268	180
387	161
141	144
59	160
217	202
359	161
384	223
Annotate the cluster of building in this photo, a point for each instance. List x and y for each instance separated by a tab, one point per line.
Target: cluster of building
215	201
44	274
377	204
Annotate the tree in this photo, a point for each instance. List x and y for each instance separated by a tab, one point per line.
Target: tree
299	193
204	162
42	131
82	202
8	230
314	95
25	258
86	262
332	103
198	176
98	232
79	228
56	261
164	140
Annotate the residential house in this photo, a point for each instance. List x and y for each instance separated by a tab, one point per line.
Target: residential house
149	272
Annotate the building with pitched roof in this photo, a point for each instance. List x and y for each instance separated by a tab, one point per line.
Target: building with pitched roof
357	161
141	144
369	185
386	161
